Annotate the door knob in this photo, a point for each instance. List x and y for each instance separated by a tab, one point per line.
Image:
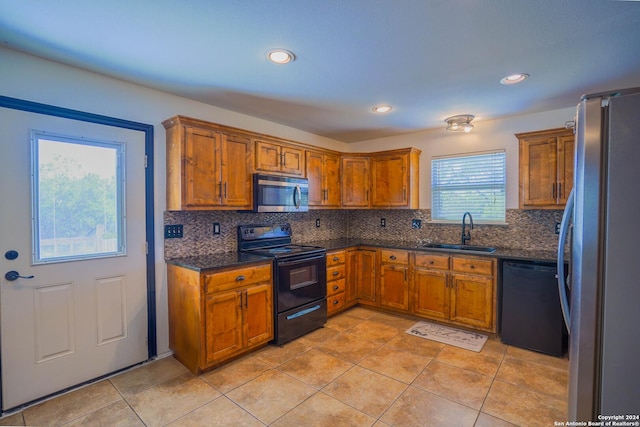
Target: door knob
13	275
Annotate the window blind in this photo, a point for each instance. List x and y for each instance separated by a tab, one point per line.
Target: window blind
473	183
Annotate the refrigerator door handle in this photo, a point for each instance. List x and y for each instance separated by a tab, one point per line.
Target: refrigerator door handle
567	217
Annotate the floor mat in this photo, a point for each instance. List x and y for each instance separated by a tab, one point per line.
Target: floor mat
446	335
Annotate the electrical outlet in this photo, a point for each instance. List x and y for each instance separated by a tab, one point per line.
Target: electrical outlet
416	223
557	228
173	231
216	228
383	222
318	222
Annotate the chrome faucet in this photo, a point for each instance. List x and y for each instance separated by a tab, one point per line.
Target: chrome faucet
466	235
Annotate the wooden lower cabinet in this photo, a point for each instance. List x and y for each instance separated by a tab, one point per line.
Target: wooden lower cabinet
361	277
454	289
217	315
394	279
336	282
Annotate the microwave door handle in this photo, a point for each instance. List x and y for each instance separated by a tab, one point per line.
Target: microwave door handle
297	196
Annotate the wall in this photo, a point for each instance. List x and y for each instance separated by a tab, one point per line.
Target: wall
487	135
34	79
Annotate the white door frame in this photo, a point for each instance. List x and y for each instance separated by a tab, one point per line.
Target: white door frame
51	110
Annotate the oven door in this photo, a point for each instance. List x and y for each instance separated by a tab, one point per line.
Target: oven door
300	280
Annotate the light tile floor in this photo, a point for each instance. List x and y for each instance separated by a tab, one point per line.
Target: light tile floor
360	370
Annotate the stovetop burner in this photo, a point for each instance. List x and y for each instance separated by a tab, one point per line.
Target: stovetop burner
271	240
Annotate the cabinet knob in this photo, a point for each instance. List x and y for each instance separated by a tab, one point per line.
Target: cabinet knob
472	266
430	262
335	301
393	257
240	278
335	273
335	258
335	288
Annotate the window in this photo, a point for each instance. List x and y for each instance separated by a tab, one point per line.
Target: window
77	190
473	183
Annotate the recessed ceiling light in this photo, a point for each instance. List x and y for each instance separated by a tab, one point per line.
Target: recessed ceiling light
281	56
514	78
382	108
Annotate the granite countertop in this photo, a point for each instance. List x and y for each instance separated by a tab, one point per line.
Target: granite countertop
232	259
500	253
219	260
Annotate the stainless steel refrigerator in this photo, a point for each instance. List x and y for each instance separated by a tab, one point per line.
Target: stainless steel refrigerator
603	305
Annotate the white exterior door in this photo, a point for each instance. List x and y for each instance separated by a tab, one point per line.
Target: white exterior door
74	320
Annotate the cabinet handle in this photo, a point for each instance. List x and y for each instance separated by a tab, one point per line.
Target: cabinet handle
246	299
472	266
553	190
430	262
366	195
560	195
335	258
282	159
335	288
225	189
241	296
240	278
335	273
392	257
404	194
335	302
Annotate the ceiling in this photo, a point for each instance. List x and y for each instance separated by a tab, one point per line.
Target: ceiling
429	59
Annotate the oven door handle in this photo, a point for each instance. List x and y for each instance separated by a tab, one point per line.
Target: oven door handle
300	260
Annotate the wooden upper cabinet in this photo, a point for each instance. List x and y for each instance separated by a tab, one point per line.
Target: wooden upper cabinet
355	182
546	168
323	173
206	167
395	179
387	179
274	157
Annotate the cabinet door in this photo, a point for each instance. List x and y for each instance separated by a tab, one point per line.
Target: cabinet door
538	166
366	283
353	268
355	182
394	287
292	160
332	183
223	325
431	293
315	176
201	169
389	186
472	300
258	315
267	156
236	172
566	151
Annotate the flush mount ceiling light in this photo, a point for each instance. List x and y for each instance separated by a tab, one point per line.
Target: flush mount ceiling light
281	56
461	123
514	78
382	108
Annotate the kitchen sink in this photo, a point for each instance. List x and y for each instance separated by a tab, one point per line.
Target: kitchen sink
470	248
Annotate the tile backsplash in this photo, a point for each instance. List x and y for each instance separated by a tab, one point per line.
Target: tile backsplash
525	229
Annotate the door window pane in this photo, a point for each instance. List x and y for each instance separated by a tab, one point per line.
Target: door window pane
78	208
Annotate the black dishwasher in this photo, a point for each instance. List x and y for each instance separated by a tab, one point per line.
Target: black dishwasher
531	316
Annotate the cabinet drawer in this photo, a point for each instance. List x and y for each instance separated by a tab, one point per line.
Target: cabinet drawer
335	287
472	265
335	258
335	273
394	256
437	262
335	302
225	280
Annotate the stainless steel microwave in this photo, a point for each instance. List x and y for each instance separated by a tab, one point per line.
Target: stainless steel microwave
273	193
